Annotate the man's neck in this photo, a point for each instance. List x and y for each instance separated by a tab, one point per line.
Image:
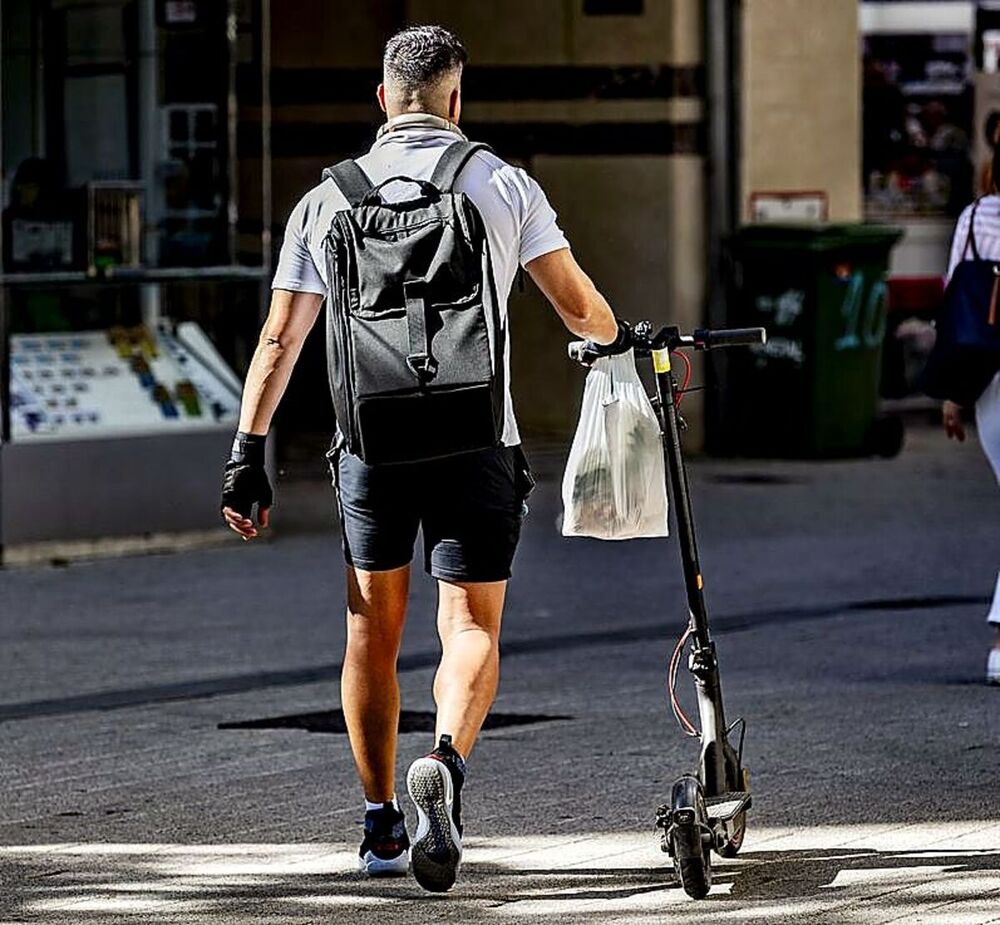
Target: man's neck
405	120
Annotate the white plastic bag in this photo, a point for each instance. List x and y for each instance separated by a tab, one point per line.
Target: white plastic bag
614	486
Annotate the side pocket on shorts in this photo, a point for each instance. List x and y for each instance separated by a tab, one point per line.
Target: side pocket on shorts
524	481
333	462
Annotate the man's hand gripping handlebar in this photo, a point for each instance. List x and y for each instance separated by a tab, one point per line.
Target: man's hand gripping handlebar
587	351
642	339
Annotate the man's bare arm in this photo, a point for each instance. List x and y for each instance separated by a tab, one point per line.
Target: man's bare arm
290	319
574	296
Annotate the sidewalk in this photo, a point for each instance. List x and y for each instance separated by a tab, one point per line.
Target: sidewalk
848	600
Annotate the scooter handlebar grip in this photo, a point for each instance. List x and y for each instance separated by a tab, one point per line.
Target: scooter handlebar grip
732	337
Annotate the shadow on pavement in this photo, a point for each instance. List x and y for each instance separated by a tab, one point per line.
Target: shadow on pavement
332	721
415	661
97	883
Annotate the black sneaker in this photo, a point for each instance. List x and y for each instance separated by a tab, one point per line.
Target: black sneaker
435	785
385	849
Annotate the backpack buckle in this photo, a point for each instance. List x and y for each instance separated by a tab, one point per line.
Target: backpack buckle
424	367
420	361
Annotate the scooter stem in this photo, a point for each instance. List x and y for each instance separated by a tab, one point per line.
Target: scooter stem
703	663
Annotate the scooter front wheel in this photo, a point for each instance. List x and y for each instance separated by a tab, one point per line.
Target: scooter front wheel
689	838
695	875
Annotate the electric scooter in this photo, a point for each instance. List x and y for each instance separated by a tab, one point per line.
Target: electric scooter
707	810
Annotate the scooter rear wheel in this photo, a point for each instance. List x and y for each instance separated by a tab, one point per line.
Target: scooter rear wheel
731	848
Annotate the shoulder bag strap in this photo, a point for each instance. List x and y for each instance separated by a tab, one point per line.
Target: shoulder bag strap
351	180
970	241
450	164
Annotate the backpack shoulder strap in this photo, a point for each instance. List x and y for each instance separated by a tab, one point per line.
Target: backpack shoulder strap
450	164
970	240
351	180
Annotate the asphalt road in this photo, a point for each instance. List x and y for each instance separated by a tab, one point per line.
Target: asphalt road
848	600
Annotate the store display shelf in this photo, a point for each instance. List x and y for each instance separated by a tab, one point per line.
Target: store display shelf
121	433
124	276
124	382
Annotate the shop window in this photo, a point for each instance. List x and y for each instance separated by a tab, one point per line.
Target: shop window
917	125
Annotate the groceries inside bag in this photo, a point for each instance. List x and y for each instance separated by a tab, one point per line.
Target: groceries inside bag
614	487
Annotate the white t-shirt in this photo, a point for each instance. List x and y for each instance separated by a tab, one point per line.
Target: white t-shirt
520	223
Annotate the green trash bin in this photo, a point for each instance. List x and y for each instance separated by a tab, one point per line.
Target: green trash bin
812	389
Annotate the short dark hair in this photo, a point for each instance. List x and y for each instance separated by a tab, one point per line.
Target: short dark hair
418	56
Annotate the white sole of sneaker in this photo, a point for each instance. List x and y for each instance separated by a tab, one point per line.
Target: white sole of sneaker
436	850
380	867
993	667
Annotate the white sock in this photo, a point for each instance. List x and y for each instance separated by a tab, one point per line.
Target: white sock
369	806
994	616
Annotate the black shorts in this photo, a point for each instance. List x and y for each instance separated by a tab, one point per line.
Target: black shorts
470	508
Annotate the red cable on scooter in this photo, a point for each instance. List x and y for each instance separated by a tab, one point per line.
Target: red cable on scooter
687	378
687	727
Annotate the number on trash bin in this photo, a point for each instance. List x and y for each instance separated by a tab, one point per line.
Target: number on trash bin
868	330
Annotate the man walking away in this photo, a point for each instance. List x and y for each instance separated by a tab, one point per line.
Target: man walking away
464	482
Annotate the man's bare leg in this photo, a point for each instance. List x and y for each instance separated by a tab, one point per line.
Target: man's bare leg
465	685
464	688
369	689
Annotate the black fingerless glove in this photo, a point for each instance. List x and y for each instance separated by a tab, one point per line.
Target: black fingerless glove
244	480
621	344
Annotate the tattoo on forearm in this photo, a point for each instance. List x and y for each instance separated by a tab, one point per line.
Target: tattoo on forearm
273	342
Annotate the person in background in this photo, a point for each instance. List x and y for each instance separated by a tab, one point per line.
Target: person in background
987	408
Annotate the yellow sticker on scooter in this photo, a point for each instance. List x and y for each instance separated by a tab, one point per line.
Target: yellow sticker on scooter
661	360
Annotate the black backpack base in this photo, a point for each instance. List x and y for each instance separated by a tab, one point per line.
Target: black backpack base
442	423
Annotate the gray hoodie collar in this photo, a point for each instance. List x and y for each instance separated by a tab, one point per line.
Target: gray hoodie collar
411	120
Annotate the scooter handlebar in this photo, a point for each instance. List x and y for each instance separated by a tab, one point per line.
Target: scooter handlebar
702	339
729	337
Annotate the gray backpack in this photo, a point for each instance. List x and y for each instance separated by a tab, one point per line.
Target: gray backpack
415	341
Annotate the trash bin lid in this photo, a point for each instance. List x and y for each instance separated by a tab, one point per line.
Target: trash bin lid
817	236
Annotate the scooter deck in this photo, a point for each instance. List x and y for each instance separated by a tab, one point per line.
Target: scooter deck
727	806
